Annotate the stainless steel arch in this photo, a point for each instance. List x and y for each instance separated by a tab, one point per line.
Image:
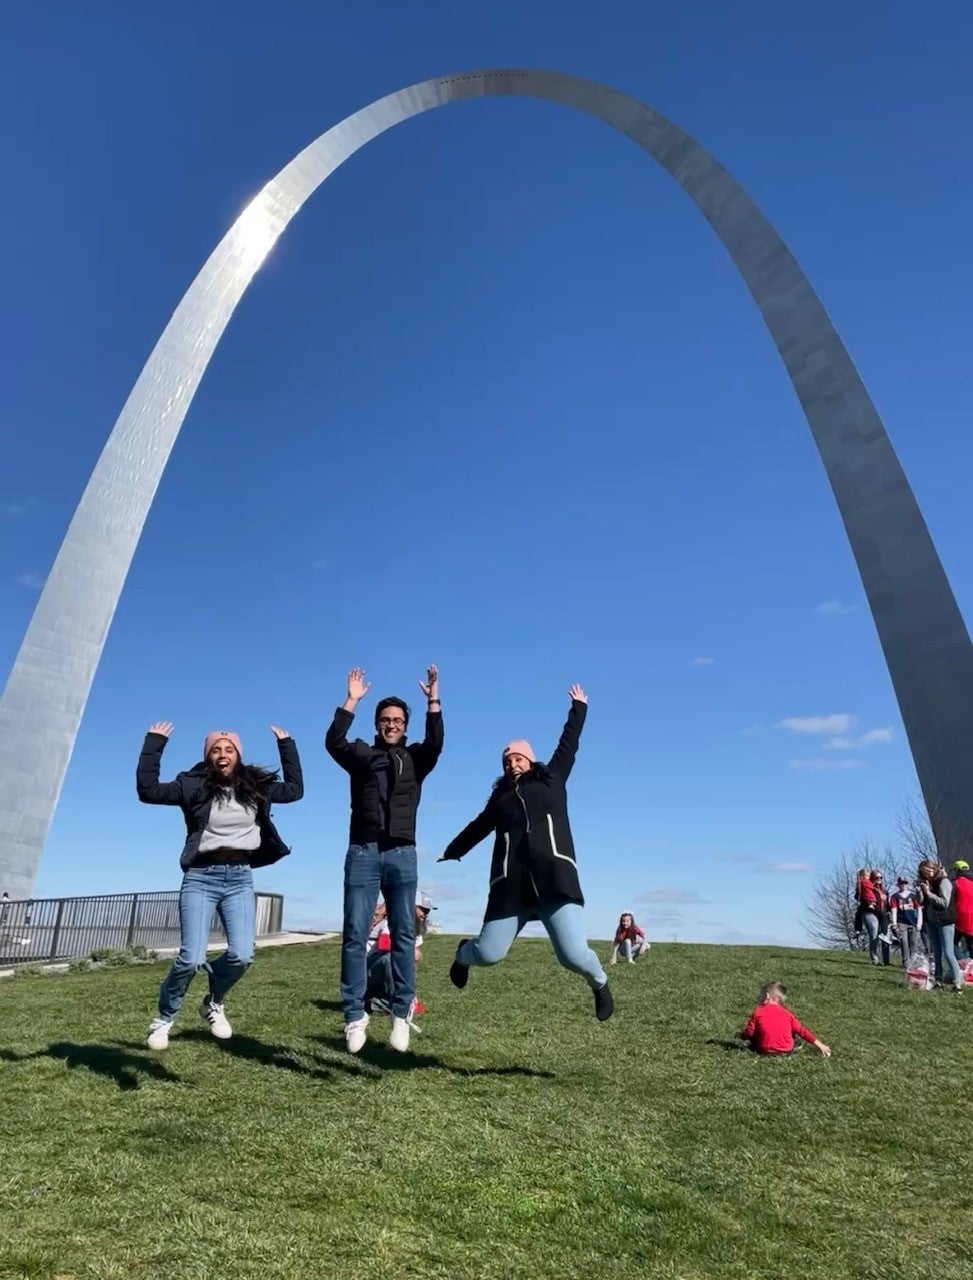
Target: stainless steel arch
922	633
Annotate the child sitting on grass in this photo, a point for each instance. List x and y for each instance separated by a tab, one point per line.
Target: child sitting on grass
773	1029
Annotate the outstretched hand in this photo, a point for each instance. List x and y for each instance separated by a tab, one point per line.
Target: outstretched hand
577	694
163	727
431	685
357	688
279	734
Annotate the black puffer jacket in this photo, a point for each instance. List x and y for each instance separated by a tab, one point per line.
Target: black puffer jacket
187	791
533	852
409	767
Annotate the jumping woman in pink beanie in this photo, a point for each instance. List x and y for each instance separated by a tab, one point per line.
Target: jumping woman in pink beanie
226	805
534	873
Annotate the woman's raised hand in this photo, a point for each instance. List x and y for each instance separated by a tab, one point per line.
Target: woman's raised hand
278	733
163	727
577	694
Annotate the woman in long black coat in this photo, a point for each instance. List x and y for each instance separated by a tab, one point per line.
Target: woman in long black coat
534	872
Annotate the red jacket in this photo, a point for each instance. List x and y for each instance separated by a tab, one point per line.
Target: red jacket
772	1029
963	897
631	934
865	892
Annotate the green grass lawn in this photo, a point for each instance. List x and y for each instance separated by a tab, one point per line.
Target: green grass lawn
521	1138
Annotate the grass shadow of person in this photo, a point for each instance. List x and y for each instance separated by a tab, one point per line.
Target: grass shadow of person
328	1006
280	1056
729	1045
113	1061
380	1055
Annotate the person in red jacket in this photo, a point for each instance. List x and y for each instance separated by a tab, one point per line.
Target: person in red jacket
773	1029
963	895
629	939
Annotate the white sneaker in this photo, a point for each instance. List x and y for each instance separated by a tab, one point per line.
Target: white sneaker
159	1033
631	959
214	1015
399	1037
356	1034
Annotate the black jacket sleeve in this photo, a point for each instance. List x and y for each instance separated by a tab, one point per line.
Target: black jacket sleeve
562	761
472	834
292	786
336	739
150	789
427	752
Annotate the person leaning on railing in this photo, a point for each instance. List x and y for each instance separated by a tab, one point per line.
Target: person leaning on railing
226	805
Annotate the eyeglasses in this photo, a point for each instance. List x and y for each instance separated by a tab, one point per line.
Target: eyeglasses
393	722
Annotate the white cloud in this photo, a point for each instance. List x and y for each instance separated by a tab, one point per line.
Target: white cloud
788	868
31	580
702	662
868	739
835	609
817	724
818	764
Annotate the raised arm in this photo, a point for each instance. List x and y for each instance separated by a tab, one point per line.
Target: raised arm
292	786
562	761
427	752
150	790
471	835
336	739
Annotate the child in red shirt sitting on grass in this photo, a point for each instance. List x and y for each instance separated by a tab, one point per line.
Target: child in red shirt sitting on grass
773	1029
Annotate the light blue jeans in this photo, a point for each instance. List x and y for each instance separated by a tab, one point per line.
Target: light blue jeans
227	889
564	922
368	871
941	936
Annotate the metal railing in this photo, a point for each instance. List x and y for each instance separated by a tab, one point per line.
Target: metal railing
33	929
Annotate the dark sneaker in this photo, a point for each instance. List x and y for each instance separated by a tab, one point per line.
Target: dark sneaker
604	1004
459	974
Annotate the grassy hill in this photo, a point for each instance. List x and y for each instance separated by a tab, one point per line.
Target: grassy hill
520	1139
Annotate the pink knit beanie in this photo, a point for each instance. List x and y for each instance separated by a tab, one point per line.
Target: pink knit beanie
521	747
216	735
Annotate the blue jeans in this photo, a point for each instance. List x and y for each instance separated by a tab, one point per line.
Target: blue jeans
941	937
564	922
379	986
369	871
878	952
226	888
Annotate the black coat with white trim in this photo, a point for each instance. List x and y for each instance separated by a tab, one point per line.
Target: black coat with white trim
533	851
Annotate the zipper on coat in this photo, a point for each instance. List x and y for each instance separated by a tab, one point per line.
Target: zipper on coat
530	870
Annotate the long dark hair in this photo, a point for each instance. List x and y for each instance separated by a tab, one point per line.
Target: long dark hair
537	771
248	782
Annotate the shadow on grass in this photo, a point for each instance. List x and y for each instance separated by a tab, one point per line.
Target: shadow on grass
113	1061
328	1006
380	1055
280	1056
730	1045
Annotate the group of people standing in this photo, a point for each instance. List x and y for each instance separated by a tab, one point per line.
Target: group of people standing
937	911
227	805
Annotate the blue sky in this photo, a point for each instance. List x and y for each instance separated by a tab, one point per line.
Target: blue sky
497	400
